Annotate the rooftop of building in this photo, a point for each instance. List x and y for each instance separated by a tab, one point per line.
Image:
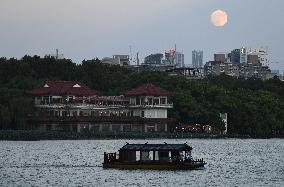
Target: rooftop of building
80	89
148	90
64	87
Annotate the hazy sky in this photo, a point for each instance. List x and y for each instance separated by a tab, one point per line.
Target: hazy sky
84	29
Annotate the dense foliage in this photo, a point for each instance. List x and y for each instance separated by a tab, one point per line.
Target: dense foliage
254	107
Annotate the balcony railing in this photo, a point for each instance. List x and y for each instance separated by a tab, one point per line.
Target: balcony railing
96	106
145	105
93	119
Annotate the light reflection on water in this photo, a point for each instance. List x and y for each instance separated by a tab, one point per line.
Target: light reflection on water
231	162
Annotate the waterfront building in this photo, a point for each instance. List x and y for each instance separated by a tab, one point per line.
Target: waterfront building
73	106
197	59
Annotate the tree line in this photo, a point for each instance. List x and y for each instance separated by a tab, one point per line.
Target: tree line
254	107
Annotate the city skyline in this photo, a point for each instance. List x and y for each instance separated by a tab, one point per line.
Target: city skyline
88	29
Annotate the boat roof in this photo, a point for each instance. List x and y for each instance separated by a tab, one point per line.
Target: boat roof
156	147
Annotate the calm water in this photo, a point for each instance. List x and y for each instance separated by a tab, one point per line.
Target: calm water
76	163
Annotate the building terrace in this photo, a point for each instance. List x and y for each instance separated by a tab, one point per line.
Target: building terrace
73	106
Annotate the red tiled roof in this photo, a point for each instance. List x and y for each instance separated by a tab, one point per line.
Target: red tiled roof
148	90
62	88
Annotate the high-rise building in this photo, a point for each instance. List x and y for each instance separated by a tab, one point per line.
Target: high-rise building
236	56
220	57
170	57
197	59
179	59
252	59
173	57
243	55
261	52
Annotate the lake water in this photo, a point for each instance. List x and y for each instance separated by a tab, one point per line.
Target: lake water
231	162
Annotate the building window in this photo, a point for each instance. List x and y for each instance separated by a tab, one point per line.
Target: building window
160	128
56	113
163	101
105	127
95	127
137	101
156	101
64	113
150	101
142	113
126	128
116	128
74	113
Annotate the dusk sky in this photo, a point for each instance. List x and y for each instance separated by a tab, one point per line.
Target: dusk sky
84	29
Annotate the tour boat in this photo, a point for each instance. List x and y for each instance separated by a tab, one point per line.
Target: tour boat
153	156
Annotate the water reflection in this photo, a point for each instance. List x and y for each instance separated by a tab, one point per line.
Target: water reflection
78	163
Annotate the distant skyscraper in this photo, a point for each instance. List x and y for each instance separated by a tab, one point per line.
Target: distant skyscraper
261	52
179	59
243	55
236	56
197	59
173	57
220	57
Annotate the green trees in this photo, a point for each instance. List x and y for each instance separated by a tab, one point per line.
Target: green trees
254	107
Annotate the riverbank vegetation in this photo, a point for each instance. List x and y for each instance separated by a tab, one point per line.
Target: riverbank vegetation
254	107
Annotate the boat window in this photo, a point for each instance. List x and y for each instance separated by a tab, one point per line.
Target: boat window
151	155
150	101
156	155
131	156
163	155
163	100
137	155
156	101
145	155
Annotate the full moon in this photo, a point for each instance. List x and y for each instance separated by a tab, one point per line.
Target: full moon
219	18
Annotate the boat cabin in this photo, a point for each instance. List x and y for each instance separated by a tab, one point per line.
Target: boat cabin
151	153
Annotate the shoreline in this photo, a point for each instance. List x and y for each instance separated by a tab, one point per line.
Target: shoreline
20	135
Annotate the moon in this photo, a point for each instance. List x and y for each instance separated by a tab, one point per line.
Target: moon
219	18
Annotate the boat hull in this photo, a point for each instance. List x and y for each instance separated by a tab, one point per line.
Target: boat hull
155	166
